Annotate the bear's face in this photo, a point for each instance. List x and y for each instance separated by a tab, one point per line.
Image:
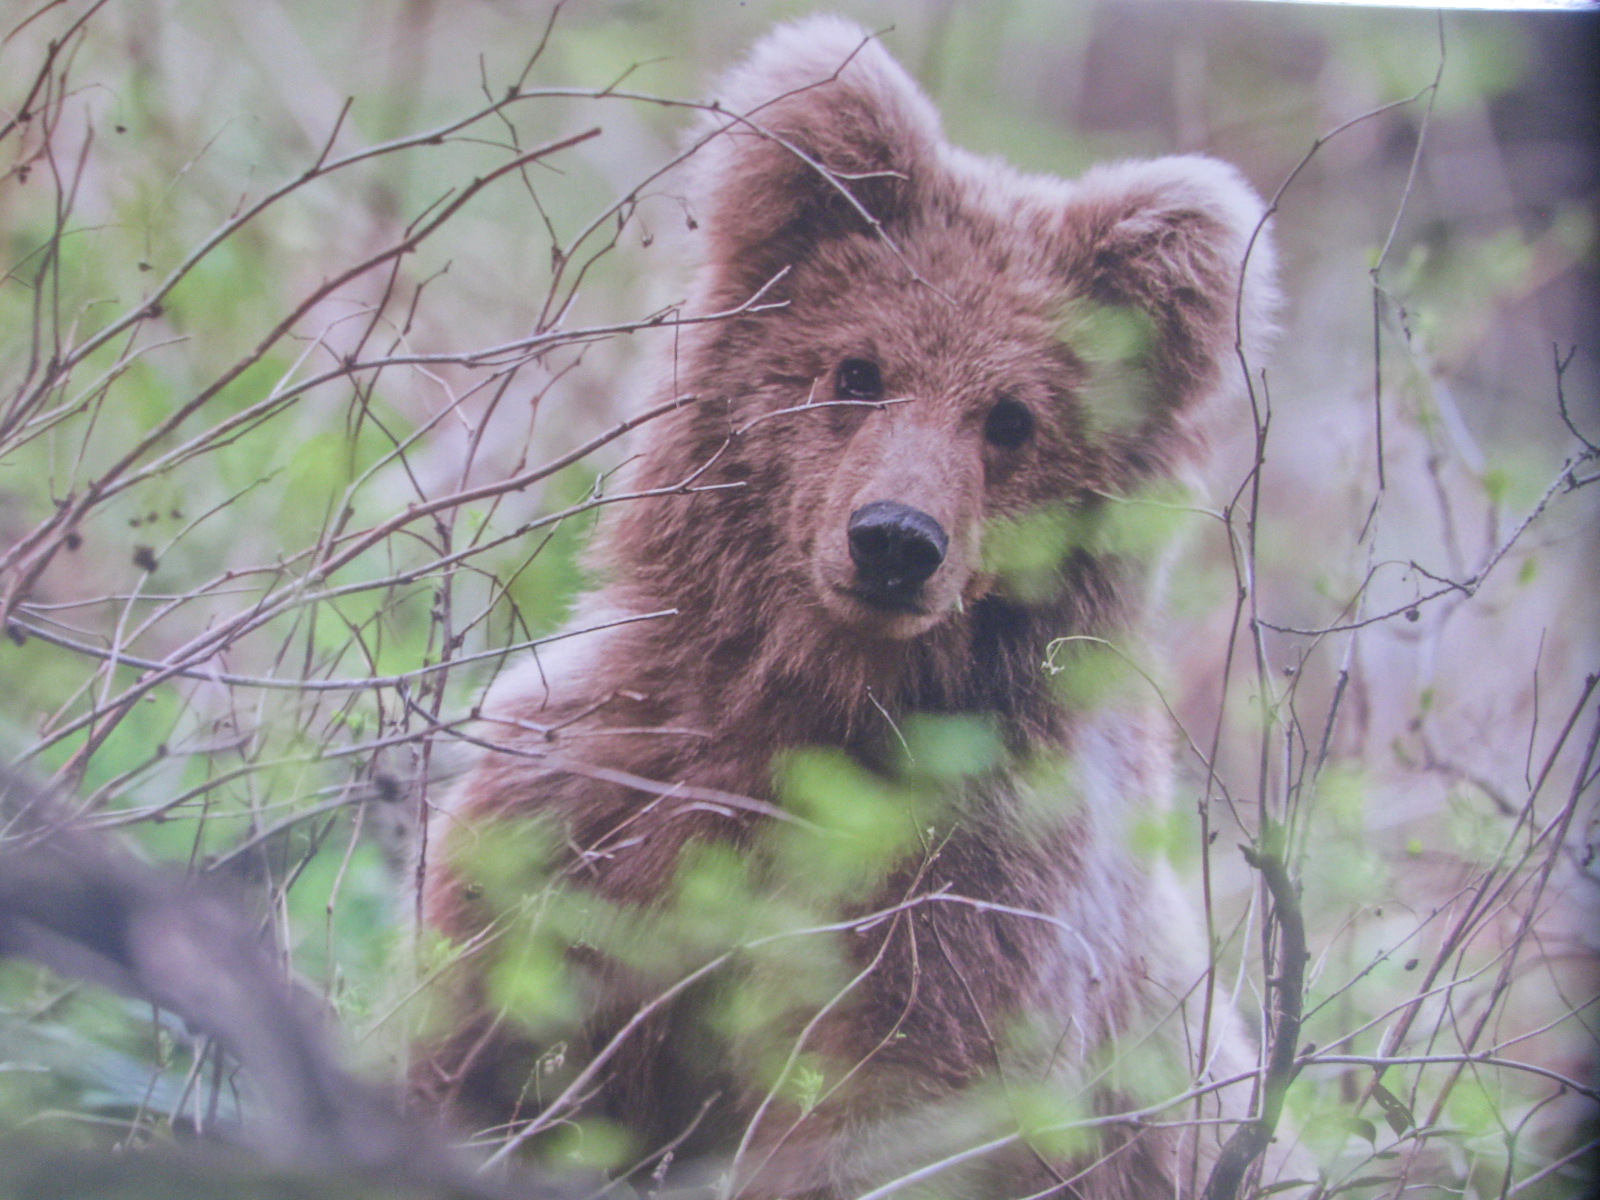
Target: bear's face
953	399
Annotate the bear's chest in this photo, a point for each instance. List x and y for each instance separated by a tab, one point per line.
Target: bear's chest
966	945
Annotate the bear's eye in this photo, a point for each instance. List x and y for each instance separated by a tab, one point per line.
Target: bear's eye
1008	424
858	379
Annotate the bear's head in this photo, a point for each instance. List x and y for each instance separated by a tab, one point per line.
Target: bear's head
927	349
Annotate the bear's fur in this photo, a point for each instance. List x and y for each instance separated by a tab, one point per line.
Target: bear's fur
989	352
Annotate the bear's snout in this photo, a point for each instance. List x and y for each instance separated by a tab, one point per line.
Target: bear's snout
895	548
896	529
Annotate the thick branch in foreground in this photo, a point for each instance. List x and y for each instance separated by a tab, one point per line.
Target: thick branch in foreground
82	907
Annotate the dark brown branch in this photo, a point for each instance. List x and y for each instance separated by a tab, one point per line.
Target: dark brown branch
87	910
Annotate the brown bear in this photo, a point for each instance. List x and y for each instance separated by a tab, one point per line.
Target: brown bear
827	882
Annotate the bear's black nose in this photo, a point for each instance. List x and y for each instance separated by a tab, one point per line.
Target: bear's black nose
895	548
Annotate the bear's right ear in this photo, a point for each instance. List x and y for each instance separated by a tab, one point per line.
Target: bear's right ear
816	125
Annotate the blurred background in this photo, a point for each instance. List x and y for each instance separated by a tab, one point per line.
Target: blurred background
273	409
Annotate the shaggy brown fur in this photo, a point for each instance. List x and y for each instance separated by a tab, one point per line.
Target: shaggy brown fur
989	348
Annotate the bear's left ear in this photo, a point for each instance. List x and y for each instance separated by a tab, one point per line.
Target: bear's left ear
816	126
1180	242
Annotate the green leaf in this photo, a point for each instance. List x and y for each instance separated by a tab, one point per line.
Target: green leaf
1394	1110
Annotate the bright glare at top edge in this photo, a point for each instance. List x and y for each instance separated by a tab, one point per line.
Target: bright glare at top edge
1482	5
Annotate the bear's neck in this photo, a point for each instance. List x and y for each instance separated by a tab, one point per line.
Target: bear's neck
790	681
